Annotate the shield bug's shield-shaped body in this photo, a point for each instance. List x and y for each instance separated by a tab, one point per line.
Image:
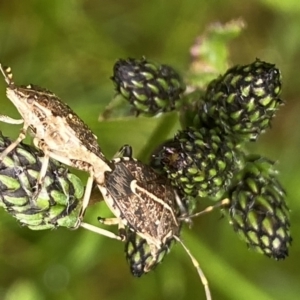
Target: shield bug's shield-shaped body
148	211
57	131
143	201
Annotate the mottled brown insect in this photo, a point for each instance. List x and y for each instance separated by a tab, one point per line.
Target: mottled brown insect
145	203
57	131
147	210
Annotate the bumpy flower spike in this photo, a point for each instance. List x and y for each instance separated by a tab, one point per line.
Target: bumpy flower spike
59	202
149	87
258	210
138	254
243	101
199	162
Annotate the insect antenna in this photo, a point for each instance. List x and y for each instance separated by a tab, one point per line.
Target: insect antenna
222	203
8	76
198	268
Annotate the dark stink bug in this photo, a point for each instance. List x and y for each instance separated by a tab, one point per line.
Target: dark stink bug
57	131
146	206
59	204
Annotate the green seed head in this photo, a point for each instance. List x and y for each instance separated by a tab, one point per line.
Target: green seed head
199	162
149	87
243	101
140	256
258	211
58	203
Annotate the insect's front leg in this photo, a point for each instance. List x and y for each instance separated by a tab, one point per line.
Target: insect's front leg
45	164
87	195
14	144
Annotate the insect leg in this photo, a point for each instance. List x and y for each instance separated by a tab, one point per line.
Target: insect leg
14	144
115	221
109	221
100	231
184	214
88	187
9	120
208	209
7	73
45	164
87	195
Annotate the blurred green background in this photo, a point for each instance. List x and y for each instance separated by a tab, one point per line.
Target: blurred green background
70	47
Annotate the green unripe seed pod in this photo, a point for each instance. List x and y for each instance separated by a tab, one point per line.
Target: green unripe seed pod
57	204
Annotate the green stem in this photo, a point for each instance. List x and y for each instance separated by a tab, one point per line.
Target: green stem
159	135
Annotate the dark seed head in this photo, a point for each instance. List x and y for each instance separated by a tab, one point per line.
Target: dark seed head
199	162
58	203
149	87
243	101
258	210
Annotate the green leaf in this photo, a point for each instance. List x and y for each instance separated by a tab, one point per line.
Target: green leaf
210	52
